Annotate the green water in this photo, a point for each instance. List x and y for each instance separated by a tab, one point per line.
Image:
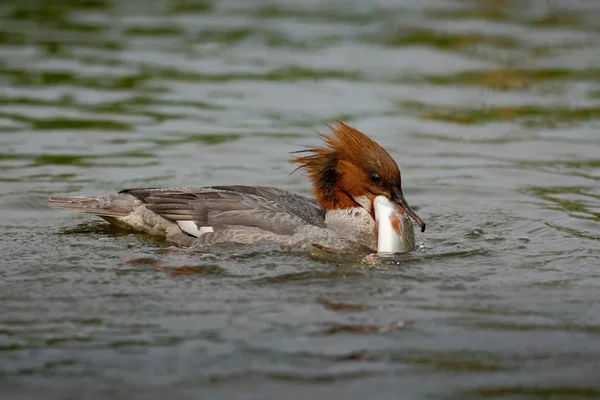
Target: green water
491	109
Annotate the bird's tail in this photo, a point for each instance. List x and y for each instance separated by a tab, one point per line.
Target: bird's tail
109	206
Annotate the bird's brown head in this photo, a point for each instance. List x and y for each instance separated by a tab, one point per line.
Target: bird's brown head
351	170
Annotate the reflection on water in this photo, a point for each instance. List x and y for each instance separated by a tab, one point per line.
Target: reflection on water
491	109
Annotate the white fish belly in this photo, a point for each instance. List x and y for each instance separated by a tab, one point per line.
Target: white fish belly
395	233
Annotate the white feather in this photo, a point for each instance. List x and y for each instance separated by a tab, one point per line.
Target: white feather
364	201
191	228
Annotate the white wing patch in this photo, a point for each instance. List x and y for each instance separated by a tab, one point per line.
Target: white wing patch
190	227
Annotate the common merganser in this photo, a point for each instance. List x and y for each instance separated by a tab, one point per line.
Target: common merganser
348	174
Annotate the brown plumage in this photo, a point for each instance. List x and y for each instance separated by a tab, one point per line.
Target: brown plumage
350	166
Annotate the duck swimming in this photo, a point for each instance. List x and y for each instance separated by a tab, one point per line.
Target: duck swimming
354	181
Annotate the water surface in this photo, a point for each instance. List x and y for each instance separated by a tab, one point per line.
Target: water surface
491	108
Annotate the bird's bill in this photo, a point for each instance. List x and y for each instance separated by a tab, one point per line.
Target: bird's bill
398	198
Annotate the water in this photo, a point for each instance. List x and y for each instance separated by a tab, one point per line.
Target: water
491	108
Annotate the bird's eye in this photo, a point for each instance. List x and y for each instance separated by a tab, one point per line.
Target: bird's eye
375	178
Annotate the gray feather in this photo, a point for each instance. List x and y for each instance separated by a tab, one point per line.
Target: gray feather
108	206
242	214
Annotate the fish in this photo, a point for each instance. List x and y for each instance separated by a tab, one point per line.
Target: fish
395	232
